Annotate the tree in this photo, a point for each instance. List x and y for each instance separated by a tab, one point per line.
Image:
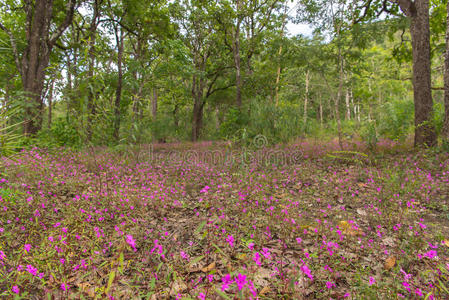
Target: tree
418	13
446	81
43	28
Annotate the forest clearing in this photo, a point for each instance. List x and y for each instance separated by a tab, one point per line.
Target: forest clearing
224	149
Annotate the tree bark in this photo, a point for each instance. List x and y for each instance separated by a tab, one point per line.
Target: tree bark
154	104
197	93
321	110
348	108
118	93
50	103
306	100
418	11
238	96
446	82
90	73
32	64
337	99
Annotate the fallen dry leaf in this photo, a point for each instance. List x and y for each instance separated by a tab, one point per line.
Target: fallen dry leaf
208	268
264	291
390	262
349	229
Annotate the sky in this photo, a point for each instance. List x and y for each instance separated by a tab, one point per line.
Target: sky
294	29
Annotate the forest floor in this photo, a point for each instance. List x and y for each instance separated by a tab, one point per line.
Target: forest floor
185	221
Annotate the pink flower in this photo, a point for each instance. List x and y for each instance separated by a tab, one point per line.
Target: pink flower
32	270
15	289
184	255
418	292
307	271
64	287
202	296
431	254
371	280
130	240
226	282
330	284
230	240
241	281
256	258
27	247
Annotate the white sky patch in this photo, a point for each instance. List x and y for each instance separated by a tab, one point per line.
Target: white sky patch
295	29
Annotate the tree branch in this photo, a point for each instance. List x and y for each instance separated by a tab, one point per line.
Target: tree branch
67	21
408	7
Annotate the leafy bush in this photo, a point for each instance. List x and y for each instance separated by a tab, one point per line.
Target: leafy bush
61	133
396	119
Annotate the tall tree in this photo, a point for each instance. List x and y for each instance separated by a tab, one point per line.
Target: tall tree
92	36
418	13
446	80
43	28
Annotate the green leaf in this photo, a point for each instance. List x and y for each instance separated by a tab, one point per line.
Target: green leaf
200	227
120	259
110	281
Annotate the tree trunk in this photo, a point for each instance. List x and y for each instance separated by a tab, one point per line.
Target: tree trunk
321	110
446	82
50	103
90	73
35	58
278	73
69	88
238	96
348	108
175	116
154	104
197	122
337	99
118	92
418	11
306	100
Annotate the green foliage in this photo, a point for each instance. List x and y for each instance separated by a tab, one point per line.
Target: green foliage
396	119
234	121
9	140
369	135
61	133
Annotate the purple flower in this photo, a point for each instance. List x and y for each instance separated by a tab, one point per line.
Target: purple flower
371	280
306	271
27	247
15	289
230	240
431	254
32	270
130	240
330	284
64	287
226	282
240	281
